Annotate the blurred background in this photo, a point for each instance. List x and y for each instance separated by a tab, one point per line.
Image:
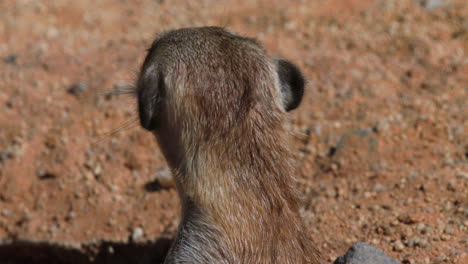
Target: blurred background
380	139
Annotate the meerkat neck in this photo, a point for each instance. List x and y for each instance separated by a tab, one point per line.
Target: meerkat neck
258	178
237	204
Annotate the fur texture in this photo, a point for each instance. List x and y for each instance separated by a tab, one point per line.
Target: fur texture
217	105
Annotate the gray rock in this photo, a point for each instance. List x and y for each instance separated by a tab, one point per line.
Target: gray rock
10	59
5	155
78	88
431	4
363	253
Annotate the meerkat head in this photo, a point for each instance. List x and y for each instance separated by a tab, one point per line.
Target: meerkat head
207	82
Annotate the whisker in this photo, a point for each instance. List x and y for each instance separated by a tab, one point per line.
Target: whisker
127	125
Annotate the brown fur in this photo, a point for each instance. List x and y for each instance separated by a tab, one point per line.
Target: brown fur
213	100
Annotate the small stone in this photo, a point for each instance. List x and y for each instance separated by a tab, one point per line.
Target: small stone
378	188
431	4
78	88
423	243
53	228
451	186
331	193
447	206
52	32
43	228
117	198
420	227
411	242
10	59
448	161
406	219
462	175
427	230
374	208
408	261
318	130
97	170
111	222
164	177
113	187
417	242
137	234
6	212
5	155
382	126
364	253
71	215
448	230
441	257
398	246
445	237
44	175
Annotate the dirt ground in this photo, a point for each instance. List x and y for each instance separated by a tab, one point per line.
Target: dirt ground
381	136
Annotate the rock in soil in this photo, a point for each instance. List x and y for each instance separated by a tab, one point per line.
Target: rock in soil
363	253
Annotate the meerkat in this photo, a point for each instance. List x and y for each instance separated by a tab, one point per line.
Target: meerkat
217	104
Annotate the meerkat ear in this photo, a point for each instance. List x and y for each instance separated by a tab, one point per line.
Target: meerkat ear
150	88
292	83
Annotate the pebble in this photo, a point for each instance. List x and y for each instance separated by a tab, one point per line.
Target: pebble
445	237
411	242
374	208
78	88
52	32
451	186
137	234
427	230
5	155
97	170
111	222
448	230
447	206
365	253
431	4
406	219
420	227
331	193
379	188
441	257
44	175
53	228
71	215
43	228
6	212
10	59
417	242
398	246
407	232
110	249
423	243
164	177
462	175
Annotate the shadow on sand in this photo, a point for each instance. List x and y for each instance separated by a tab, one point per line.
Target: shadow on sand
32	252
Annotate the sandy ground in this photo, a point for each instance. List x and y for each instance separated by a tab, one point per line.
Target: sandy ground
381	137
